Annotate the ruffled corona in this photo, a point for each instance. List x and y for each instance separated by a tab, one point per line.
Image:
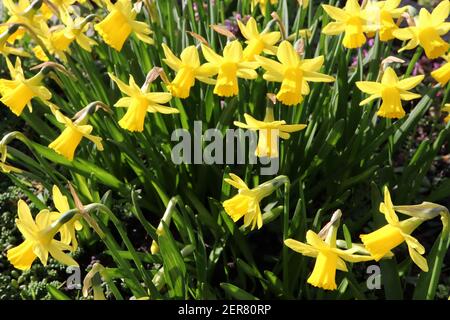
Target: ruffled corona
68	141
120	23
18	92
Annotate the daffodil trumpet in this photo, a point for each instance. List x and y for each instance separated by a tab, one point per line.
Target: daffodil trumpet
120	23
18	92
68	141
328	257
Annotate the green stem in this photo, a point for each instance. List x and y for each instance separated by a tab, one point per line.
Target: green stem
413	61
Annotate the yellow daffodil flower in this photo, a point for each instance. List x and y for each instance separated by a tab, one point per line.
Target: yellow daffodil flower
38	242
381	14
22	12
262	4
67	231
269	130
120	23
59	38
428	31
5	48
229	68
257	42
75	30
351	20
293	73
18	92
382	241
139	102
70	138
329	258
447	109
442	74
188	69
392	91
246	202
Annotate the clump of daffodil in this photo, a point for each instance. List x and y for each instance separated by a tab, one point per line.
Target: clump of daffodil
382	241
442	74
39	240
257	42
5	48
246	202
120	23
380	17
69	229
447	109
59	38
392	91
25	13
139	102
328	257
428	31
262	4
293	73
229	68
74	30
73	133
351	20
18	92
269	130
188	69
